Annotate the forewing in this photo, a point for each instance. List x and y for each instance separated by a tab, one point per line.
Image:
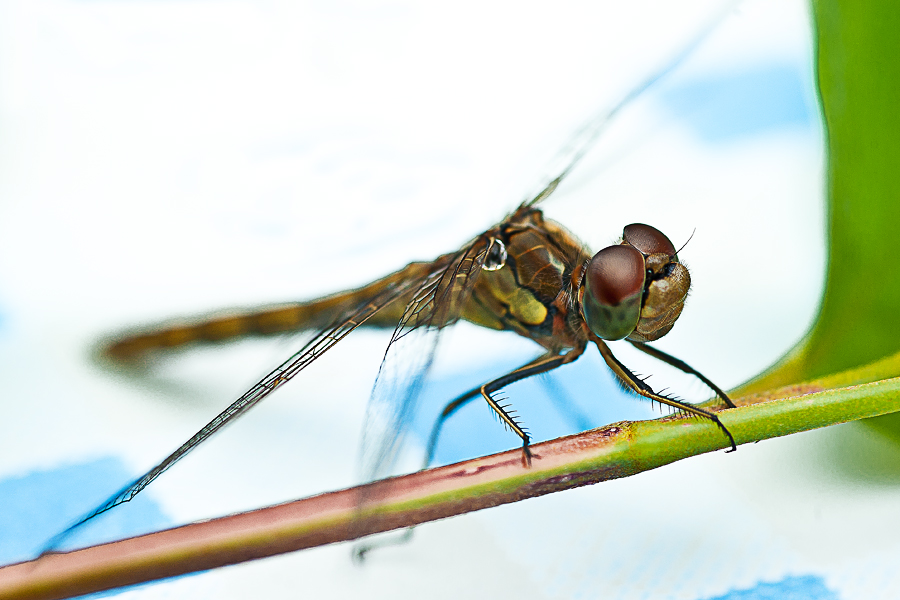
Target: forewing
353	317
585	138
437	303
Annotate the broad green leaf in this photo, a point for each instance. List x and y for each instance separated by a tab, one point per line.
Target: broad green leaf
858	58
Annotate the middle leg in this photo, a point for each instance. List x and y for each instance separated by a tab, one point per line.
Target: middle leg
463	399
542	364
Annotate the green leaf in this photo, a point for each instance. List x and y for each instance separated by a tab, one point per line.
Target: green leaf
859	85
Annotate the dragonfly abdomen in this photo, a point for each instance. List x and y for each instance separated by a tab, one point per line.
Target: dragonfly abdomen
210	329
267	320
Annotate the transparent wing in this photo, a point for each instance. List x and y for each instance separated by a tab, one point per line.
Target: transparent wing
583	139
354	316
437	303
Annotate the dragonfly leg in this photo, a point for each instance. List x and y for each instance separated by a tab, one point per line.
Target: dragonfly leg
566	407
640	387
683	366
542	364
453	406
360	551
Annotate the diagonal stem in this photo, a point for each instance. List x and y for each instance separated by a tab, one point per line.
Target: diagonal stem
614	451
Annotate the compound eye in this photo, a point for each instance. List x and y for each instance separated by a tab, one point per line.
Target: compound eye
615	274
613	288
649	240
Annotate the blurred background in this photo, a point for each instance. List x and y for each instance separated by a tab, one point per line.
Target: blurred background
164	159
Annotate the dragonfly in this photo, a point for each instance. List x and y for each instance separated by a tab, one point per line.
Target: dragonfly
526	274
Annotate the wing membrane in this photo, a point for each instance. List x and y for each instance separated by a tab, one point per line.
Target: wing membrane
437	303
353	317
583	139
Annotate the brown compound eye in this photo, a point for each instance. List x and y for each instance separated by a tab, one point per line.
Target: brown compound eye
649	240
613	288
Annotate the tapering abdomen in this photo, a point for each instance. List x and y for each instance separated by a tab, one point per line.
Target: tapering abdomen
266	320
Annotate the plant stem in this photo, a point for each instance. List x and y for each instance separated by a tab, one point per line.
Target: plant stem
614	451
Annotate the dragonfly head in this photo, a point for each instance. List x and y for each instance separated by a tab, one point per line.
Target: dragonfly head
636	289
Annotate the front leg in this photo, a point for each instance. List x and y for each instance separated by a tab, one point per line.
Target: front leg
683	366
640	387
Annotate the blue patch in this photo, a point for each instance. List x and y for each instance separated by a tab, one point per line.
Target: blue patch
37	506
807	587
737	105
